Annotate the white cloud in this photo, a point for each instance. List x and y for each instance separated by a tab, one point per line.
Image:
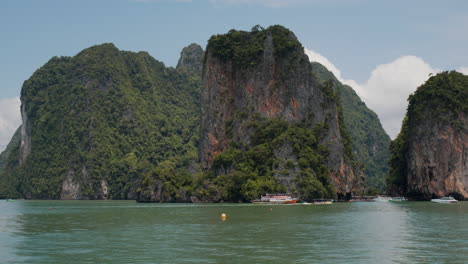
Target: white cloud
463	70
10	119
388	87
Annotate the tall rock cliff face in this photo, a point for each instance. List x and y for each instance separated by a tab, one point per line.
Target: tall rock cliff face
430	155
101	124
252	77
371	145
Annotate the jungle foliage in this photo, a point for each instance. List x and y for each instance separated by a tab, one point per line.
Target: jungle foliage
245	48
104	115
248	171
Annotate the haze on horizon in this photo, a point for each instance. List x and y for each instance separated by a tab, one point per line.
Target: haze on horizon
383	49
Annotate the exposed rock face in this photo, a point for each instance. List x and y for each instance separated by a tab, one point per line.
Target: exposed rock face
70	187
276	83
191	59
25	143
430	155
438	159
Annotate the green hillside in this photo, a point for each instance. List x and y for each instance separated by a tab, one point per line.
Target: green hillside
370	143
104	118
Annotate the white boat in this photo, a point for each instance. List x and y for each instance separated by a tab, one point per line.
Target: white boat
382	199
398	199
444	200
277	198
323	201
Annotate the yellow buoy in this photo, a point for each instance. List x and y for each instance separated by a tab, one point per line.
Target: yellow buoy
223	216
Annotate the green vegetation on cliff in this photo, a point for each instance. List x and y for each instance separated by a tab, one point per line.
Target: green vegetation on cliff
246	48
9	161
368	139
14	143
245	172
442	98
104	117
443	95
191	59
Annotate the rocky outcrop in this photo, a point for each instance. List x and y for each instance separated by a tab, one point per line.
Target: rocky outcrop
266	74
438	159
191	59
430	155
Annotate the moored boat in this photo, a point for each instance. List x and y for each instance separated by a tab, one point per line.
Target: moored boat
398	199
382	199
278	198
362	199
448	199
323	201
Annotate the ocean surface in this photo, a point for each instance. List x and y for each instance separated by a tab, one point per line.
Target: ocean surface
129	232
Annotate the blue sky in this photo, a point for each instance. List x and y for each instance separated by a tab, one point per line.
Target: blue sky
354	36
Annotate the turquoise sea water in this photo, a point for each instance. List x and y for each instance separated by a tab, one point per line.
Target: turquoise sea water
128	232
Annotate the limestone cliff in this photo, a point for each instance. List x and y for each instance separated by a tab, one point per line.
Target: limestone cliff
430	155
25	142
264	74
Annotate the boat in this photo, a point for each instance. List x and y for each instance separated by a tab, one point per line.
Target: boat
362	199
277	198
398	199
322	201
382	199
444	200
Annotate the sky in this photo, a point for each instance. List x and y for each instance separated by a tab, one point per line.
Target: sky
383	49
